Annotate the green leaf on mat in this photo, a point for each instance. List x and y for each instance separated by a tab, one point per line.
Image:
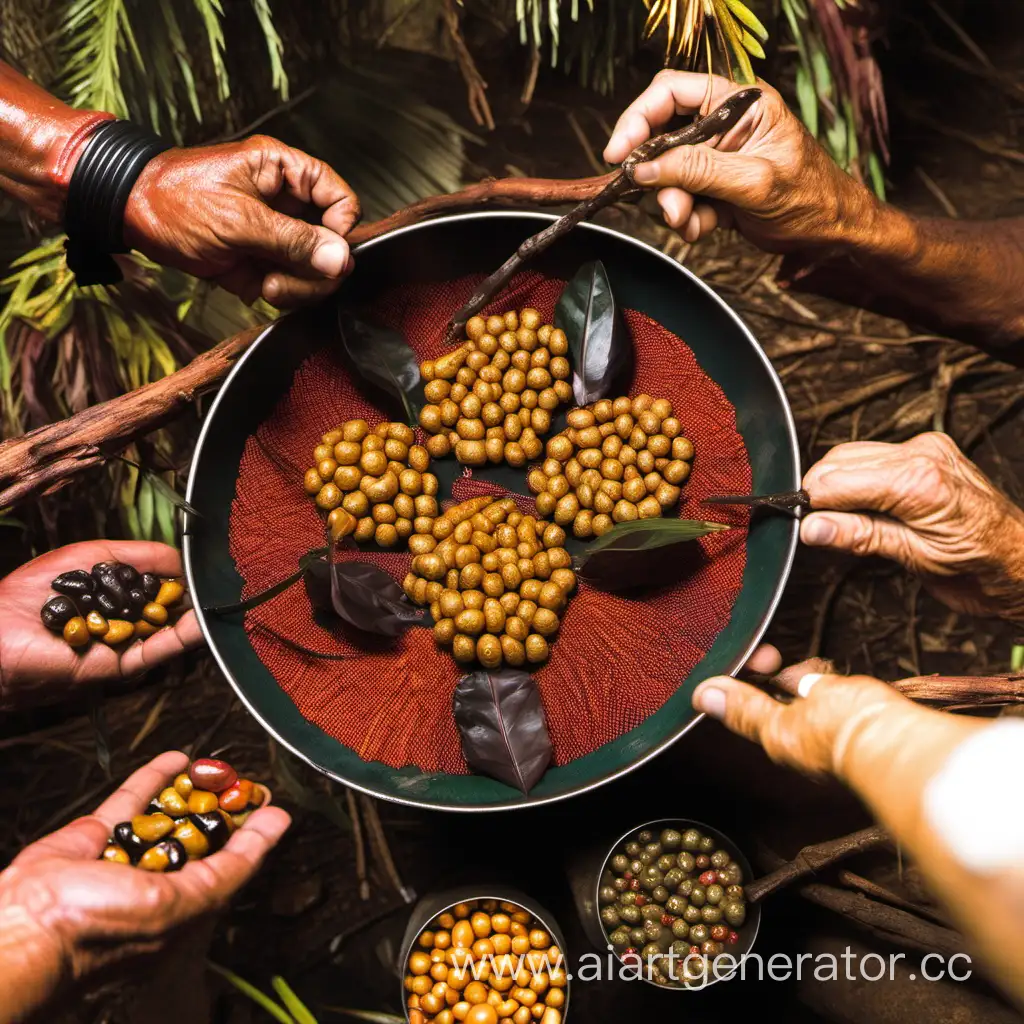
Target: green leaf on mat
635	554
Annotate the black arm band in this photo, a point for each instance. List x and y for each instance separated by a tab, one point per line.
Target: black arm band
114	157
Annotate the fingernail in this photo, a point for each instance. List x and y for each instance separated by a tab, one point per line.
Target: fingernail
330	258
645	173
806	682
271	288
818	531
710	700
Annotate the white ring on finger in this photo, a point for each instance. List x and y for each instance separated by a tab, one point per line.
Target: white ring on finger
806	684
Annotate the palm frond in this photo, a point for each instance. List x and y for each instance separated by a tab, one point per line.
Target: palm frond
693	27
212	14
275	48
839	88
96	35
131	57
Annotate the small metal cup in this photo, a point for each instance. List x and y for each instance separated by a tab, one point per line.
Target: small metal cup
434	905
590	907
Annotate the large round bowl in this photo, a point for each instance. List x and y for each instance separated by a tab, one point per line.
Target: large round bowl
451	247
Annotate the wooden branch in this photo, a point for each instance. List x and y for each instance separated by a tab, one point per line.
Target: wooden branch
961	692
719	121
476	87
524	191
850	880
44	459
813	858
888	923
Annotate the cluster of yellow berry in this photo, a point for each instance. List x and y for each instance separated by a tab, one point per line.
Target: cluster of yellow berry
496	581
492	399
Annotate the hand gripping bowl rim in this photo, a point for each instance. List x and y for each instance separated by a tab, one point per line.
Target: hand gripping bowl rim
738	661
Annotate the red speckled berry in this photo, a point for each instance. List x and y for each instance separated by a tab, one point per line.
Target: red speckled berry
635	884
734	937
631	956
703	862
709	878
719	932
627	874
667	919
641	901
212	775
695	951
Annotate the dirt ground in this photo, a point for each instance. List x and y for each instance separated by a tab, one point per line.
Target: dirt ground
849	375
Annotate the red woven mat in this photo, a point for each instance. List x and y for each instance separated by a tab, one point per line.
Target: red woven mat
616	660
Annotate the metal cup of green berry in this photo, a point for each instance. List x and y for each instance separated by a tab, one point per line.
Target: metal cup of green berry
672	905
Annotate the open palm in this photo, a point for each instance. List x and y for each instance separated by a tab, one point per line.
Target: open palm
37	666
67	918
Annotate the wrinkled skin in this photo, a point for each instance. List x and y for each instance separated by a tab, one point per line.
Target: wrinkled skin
925	505
767	176
37	666
67	919
231	213
234	213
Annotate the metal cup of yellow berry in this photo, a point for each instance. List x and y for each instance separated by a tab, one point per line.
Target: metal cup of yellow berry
485	961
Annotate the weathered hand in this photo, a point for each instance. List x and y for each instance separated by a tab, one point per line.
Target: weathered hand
37	666
65	916
232	212
829	718
928	507
768	177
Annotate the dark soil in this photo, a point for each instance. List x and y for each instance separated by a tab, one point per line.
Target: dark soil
303	917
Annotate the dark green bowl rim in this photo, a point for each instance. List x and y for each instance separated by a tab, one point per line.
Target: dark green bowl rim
738	661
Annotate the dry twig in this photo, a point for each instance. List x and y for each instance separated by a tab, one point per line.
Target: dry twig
380	841
719	121
888	923
476	87
531	77
360	844
883	895
813	858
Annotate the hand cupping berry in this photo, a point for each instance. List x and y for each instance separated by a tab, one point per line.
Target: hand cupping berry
113	603
188	820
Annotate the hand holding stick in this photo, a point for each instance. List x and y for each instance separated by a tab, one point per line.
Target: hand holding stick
719	121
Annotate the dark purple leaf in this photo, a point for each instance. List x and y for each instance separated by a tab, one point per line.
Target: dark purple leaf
383	357
363	596
601	348
503	728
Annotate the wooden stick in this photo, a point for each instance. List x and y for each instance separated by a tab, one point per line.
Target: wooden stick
851	880
43	459
889	923
813	858
718	122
